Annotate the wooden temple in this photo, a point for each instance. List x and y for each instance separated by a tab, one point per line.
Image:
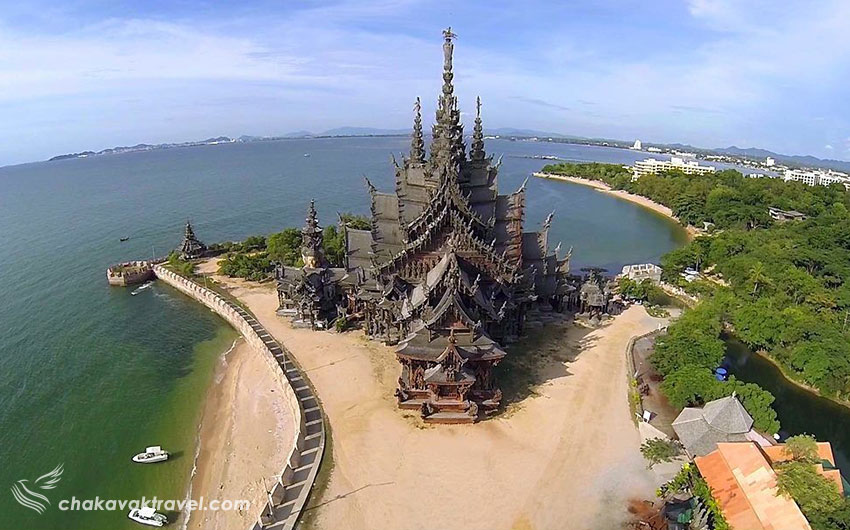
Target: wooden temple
447	272
191	247
311	295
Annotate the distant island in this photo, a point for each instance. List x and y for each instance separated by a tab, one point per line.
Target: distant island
731	154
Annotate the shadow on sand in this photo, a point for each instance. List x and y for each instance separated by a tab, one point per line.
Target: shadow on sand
540	356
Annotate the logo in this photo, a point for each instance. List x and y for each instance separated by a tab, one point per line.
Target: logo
27	493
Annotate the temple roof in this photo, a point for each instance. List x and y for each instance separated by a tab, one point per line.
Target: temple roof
475	346
358	246
191	247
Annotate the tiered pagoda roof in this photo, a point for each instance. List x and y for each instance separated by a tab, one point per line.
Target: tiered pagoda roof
446	267
191	247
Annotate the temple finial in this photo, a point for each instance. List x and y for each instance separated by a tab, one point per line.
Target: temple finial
447	144
477	151
312	219
417	142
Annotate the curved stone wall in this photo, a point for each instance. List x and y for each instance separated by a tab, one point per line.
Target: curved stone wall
292	489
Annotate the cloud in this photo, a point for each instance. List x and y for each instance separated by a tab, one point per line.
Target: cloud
540	103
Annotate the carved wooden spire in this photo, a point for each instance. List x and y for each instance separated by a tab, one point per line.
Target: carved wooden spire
447	145
311	239
417	143
477	151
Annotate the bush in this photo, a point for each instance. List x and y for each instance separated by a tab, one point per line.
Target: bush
803	448
285	247
184	268
256	267
657	450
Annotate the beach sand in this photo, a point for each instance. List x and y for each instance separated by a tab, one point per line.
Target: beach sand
626	196
564	455
244	436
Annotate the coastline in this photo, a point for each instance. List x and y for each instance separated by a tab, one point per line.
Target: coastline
235	440
238	457
624	195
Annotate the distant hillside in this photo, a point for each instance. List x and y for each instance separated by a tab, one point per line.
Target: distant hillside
750	152
510	131
142	147
364	131
797	160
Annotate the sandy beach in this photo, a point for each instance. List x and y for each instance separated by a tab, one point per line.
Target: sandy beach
626	196
244	437
564	455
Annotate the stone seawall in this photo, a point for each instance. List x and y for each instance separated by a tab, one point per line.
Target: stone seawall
292	489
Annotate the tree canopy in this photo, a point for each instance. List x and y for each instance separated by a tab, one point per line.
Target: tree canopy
785	284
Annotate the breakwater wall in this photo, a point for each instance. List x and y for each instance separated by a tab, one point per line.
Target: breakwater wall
291	490
129	273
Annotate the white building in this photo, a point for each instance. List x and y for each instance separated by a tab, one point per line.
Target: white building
653	166
769	162
653	149
642	271
637	146
817	177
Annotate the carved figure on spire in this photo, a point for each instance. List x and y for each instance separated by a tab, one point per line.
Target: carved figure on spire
477	151
448	47
417	142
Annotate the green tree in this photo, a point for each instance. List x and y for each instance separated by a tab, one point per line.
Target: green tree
657	450
333	245
758	277
689	385
285	247
817	496
358	222
803	448
178	265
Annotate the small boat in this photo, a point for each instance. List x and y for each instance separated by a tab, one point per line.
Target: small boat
124	239
148	516
141	288
306	155
150	455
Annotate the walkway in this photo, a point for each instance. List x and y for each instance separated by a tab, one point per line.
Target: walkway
287	508
290	494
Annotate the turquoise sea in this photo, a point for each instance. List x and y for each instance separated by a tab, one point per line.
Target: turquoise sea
90	375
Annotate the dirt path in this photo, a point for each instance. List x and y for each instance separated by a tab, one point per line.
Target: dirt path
565	455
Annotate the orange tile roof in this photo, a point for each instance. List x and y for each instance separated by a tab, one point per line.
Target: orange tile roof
744	485
776	453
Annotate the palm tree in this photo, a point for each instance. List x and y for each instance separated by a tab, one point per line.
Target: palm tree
758	276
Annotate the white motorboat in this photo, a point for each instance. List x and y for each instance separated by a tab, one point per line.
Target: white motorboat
137	290
150	455
148	516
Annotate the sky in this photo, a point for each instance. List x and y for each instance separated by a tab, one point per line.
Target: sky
92	74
